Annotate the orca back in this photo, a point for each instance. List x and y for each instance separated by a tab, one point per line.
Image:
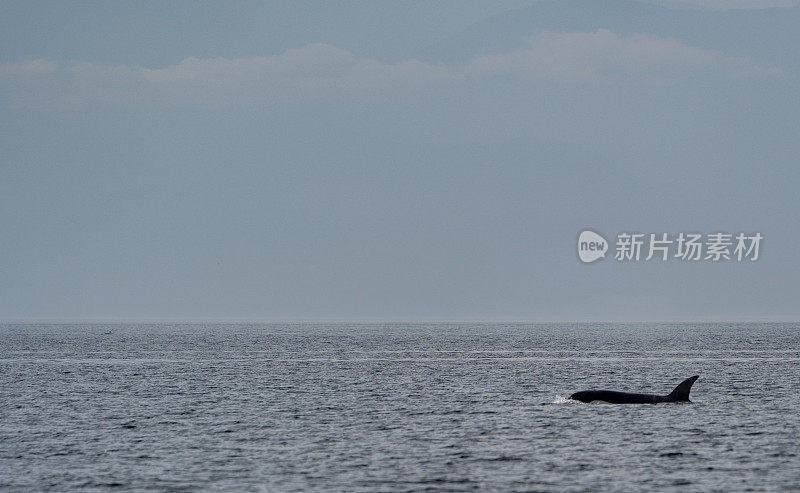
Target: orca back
680	394
614	397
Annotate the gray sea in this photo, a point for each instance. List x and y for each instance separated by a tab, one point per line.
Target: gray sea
397	407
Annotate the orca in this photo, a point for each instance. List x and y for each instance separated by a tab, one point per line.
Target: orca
680	394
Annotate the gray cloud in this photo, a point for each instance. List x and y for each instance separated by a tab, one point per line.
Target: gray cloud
323	71
727	4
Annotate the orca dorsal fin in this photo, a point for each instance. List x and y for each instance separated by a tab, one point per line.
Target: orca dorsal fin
681	392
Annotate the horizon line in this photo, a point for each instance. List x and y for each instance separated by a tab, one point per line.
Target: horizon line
363	321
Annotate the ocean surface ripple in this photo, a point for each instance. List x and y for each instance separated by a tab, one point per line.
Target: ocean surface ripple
396	407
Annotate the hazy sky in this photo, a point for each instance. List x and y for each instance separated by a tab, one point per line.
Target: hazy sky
394	160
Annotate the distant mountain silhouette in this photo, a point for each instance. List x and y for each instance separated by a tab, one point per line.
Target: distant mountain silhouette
771	35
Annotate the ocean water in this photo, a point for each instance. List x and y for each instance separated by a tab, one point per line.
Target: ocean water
397	407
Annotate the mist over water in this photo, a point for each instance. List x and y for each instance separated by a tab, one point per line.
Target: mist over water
377	407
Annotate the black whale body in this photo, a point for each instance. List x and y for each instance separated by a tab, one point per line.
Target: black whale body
680	394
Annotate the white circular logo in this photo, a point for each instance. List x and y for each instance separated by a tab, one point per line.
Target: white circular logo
591	246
